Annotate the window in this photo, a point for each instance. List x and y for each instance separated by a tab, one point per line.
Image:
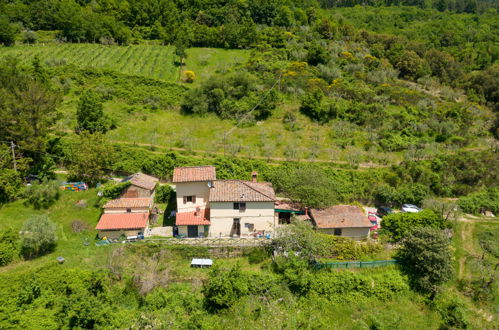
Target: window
240	206
189	199
337	231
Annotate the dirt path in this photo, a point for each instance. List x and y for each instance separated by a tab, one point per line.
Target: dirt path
467	246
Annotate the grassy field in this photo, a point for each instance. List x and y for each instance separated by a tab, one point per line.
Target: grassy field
153	61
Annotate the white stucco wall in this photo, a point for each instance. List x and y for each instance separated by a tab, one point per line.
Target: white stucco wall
198	189
123	210
259	214
356	233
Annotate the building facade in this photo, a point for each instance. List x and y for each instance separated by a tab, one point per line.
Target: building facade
207	207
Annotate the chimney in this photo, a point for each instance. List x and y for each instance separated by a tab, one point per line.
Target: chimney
254	176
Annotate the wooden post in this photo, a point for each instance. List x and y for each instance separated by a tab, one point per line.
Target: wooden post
12	146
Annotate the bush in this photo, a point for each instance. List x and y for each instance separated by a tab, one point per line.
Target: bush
486	200
10	185
42	195
38	236
163	193
256	255
8	246
399	225
114	190
344	248
189	76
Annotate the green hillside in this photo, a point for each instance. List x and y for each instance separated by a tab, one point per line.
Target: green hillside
148	60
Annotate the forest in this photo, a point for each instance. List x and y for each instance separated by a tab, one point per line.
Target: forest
372	102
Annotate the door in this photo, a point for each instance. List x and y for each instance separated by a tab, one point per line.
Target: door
236	227
192	231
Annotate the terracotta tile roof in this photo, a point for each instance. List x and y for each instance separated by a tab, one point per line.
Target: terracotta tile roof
194	173
282	205
192	218
241	191
340	216
128	203
142	180
112	221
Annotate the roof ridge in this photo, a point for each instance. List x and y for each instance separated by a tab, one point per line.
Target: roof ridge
195	166
258	191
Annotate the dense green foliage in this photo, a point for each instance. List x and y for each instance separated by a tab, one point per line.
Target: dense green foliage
89	157
90	115
42	194
399	225
427	258
163	193
38	236
486	200
9	246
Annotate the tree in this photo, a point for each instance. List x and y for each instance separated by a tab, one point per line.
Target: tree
42	195
38	236
426	257
317	54
90	114
299	237
7	31
89	155
411	65
10	185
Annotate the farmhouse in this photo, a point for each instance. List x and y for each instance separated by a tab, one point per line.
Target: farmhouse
129	215
222	208
141	185
342	220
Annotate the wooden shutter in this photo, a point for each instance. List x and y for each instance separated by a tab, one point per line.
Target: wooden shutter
185	199
194	199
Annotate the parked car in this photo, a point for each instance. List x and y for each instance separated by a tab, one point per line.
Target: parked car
409	208
383	210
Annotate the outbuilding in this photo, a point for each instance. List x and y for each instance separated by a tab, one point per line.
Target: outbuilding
342	220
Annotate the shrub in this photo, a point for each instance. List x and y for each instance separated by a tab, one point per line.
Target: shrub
30	37
256	255
8	246
7	253
38	236
398	225
114	190
483	200
426	257
42	195
10	185
344	248
163	193
189	76
224	287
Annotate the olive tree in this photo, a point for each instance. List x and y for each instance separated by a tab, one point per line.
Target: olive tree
38	236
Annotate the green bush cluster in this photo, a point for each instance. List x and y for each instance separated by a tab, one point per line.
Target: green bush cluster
485	200
9	246
256	255
344	248
163	193
399	225
42	194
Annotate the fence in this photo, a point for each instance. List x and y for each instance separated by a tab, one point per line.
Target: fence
355	264
212	242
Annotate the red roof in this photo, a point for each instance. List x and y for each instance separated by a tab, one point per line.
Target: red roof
194	174
241	191
110	221
193	218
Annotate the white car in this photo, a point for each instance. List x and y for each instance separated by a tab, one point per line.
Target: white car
409	208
